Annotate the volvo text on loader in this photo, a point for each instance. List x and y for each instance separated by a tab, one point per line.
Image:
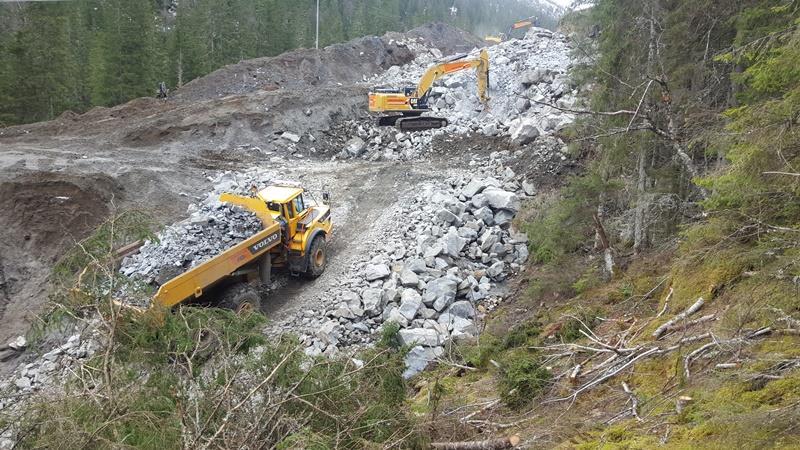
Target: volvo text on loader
294	236
403	108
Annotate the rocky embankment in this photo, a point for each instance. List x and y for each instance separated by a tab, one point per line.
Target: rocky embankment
526	75
439	260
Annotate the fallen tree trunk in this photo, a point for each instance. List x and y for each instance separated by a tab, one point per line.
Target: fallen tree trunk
670	323
491	444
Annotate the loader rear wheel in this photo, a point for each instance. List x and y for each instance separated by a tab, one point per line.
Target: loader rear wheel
317	257
241	298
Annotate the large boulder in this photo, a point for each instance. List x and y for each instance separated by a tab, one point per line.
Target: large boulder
488	239
393	314
475	186
535	76
372	301
432	251
418	359
462	308
440	293
408	278
426	337
448	217
453	243
503	218
327	332
485	214
410	303
416	265
500	199
376	271
496	269
355	146
524	131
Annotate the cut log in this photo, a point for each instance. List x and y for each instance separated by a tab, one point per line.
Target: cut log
491	444
688	312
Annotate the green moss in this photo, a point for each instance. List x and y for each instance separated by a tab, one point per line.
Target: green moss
618	436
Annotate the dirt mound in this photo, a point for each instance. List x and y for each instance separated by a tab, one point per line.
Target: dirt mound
344	63
44	213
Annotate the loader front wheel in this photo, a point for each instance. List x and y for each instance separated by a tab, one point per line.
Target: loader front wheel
317	257
241	298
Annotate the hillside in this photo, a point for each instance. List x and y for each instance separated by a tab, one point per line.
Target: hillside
68	56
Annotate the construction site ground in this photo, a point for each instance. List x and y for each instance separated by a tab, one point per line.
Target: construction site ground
60	179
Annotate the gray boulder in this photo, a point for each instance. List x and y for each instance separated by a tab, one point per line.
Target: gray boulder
496	269
503	218
448	217
432	251
524	131
291	137
355	146
488	239
394	315
408	278
376	271
462	308
420	336
372	300
410	303
485	214
416	265
473	187
440	293
418	359
453	243
500	199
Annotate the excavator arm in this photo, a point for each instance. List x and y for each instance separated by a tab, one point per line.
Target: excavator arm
405	106
441	70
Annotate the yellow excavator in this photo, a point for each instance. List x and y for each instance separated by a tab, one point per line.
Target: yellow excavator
403	108
524	23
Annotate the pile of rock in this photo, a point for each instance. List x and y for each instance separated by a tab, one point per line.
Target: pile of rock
432	273
46	373
211	228
526	75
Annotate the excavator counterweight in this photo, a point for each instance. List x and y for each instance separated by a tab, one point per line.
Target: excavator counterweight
403	108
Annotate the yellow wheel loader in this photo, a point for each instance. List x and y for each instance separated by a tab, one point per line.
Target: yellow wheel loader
403	108
294	236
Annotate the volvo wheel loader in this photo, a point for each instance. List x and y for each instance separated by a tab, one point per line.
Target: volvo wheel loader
294	236
404	107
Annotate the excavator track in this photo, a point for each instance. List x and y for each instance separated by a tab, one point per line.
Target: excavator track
420	123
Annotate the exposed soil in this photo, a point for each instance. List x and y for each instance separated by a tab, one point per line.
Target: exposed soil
43	214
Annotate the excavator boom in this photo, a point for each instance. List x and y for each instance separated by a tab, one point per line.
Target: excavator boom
407	105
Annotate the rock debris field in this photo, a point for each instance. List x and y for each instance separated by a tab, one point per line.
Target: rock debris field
434	269
433	262
526	75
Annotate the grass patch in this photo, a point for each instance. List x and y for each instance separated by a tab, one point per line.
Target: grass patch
521	378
